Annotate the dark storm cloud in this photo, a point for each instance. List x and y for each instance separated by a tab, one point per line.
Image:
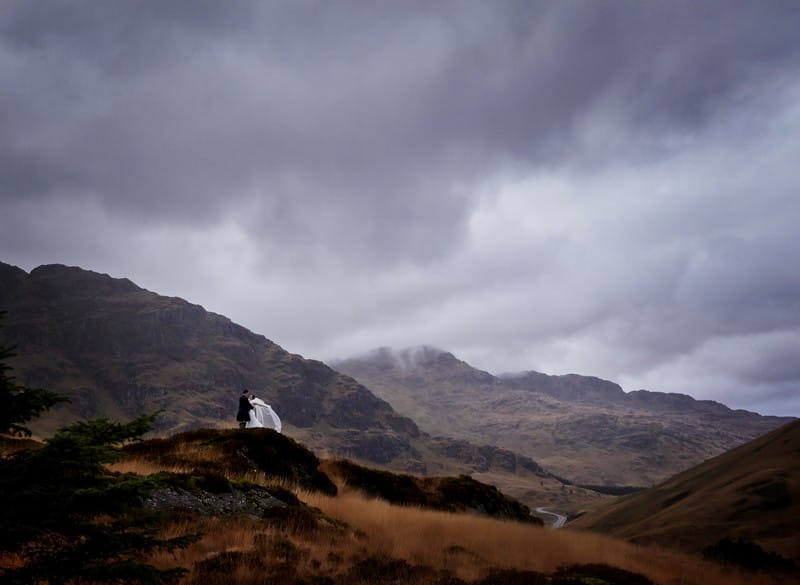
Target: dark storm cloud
157	116
580	185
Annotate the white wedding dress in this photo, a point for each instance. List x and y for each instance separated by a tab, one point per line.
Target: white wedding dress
263	417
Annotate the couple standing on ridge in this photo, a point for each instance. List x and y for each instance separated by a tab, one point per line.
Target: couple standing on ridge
254	413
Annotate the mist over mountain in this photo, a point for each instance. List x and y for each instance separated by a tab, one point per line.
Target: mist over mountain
579	427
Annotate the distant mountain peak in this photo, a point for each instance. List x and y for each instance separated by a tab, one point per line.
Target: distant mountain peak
581	427
407	359
413	362
80	282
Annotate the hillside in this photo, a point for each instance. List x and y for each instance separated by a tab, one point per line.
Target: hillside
750	493
463	548
118	351
579	427
265	452
267	510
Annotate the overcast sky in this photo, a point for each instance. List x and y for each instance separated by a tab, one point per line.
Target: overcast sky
609	188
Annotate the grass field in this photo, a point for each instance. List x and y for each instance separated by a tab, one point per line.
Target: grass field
356	539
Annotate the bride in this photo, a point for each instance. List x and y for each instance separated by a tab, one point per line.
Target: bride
262	416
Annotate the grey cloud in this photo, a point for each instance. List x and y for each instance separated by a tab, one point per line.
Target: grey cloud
310	88
191	134
363	146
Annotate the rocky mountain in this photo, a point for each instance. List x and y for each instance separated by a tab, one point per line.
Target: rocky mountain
751	494
117	351
579	427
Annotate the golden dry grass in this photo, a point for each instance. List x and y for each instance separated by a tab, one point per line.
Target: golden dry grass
469	544
140	466
465	545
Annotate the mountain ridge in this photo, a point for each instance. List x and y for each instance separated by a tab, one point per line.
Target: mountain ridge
580	427
118	350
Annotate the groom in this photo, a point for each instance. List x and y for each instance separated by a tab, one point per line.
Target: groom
243	415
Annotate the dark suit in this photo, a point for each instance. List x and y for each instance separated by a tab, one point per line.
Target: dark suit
243	415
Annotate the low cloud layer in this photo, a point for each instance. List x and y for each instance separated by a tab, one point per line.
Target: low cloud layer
608	189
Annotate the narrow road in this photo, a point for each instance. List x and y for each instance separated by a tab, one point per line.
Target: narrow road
558	522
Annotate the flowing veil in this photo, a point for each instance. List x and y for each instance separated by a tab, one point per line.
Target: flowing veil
262	416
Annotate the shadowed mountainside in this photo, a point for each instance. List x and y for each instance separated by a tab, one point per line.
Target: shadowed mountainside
750	493
117	351
583	428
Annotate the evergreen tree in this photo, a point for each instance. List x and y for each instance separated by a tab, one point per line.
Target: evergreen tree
20	404
71	520
64	517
